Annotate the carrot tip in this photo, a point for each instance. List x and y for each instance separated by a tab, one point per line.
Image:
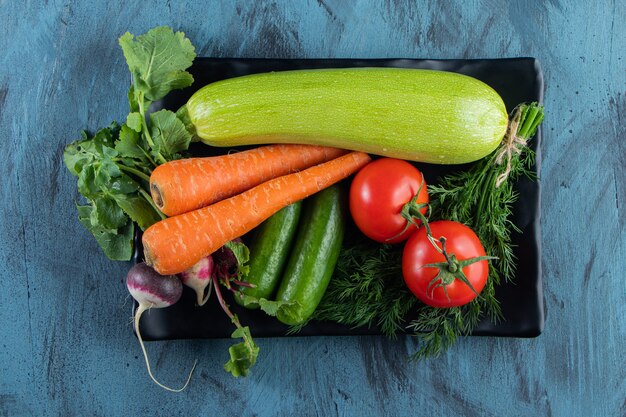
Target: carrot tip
156	195
147	257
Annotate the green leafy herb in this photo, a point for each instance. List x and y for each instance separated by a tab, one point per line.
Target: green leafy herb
169	135
438	328
134	121
113	166
272	308
474	198
116	242
243	355
367	289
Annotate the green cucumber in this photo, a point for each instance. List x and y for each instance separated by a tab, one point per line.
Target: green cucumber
269	251
414	114
314	256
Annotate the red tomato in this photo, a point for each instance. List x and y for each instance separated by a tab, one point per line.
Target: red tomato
378	194
461	242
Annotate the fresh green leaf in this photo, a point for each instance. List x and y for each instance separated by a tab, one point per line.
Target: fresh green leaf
292	312
272	308
129	145
134	121
105	138
243	355
138	209
158	60
133	104
115	243
123	184
169	134
87	182
107	214
183	115
75	159
89	149
105	171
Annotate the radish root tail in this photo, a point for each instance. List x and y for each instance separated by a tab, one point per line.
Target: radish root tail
202	301
138	313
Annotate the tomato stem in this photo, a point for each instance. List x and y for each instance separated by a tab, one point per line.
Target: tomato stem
452	266
452	269
411	211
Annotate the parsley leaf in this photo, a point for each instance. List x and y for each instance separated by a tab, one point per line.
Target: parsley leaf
138	209
116	243
129	144
169	134
134	121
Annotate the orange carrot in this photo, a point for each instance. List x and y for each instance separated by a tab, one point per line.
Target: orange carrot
188	184
177	243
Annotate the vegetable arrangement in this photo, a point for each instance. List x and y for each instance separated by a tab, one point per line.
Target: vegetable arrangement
438	250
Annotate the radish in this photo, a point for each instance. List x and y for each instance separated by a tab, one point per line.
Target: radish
153	290
198	278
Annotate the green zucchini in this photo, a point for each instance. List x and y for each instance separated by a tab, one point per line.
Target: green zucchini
269	251
314	256
419	115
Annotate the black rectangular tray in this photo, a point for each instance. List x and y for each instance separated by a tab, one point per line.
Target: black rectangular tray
517	80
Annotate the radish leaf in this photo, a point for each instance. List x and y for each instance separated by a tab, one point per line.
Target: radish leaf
158	60
116	243
243	355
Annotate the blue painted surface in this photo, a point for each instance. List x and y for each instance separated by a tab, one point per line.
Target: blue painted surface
66	346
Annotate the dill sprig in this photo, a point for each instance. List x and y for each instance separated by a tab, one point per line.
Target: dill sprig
367	288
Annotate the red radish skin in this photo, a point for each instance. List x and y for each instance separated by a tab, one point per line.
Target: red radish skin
198	278
153	290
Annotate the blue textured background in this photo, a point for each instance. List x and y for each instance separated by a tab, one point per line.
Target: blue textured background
66	346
